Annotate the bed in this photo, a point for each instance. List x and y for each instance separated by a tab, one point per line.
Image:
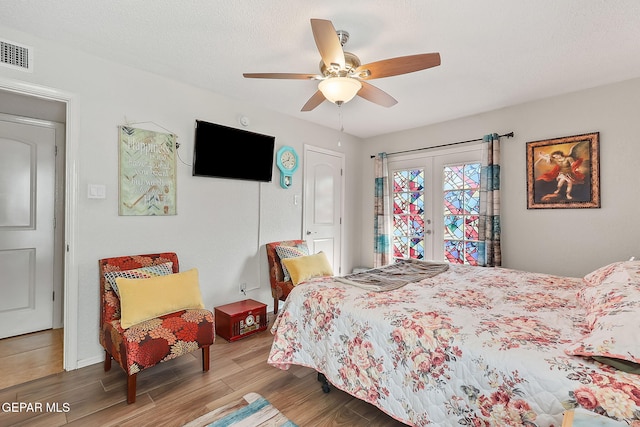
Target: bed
472	346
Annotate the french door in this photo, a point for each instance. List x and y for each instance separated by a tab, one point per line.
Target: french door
432	220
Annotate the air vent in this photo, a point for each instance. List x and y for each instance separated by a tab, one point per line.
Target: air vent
16	56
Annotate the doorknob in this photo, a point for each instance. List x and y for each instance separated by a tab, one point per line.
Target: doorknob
311	232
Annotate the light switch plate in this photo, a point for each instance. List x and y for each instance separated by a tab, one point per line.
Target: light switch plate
97	191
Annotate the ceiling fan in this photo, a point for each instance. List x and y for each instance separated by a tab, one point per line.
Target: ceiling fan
342	76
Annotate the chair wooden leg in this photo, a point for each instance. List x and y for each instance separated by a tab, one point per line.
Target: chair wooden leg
275	305
205	358
107	361
131	388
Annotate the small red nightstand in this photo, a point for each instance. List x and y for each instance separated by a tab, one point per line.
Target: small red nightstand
240	319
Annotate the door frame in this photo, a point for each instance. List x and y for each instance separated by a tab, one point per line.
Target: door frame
341	156
70	280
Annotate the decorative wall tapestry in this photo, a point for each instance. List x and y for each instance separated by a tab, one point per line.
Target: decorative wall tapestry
147	172
564	172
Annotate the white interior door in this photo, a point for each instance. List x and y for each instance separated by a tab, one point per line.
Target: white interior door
322	205
27	196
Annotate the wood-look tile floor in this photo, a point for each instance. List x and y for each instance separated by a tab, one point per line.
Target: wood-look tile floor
177	391
41	352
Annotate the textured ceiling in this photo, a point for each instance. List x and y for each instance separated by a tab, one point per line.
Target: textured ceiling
495	53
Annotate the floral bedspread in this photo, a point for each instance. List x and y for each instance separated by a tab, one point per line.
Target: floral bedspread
471	346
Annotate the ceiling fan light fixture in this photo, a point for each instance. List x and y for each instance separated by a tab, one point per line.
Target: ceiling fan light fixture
342	75
339	89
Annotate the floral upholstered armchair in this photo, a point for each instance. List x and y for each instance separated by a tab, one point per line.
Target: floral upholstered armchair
138	343
281	285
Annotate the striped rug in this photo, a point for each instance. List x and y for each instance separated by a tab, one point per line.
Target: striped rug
252	410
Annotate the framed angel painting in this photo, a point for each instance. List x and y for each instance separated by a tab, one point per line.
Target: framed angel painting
564	172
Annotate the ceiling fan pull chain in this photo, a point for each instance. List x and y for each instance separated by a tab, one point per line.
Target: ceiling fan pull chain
341	125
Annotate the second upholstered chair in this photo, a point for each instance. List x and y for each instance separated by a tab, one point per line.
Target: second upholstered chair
280	284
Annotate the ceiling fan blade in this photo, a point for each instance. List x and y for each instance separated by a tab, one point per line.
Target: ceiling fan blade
294	76
327	42
399	65
376	95
314	101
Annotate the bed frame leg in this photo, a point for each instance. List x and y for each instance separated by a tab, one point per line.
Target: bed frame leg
325	384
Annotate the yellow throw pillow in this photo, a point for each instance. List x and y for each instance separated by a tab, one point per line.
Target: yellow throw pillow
305	267
144	299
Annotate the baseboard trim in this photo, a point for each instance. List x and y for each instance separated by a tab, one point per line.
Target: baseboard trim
90	361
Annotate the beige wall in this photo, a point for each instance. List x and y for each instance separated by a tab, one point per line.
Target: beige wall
221	226
559	241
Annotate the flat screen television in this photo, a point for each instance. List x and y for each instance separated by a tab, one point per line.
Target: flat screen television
225	152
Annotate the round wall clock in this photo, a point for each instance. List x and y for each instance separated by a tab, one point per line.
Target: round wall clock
287	161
